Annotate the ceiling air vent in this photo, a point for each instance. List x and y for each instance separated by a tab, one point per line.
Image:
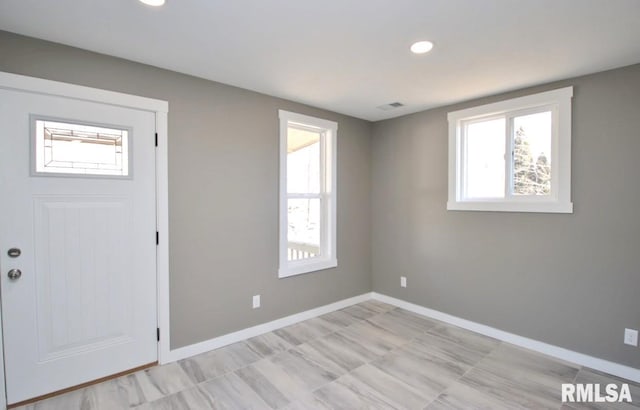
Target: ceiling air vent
391	106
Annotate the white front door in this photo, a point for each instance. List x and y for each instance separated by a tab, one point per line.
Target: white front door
77	241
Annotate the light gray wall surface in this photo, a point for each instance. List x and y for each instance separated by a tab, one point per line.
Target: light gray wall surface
571	280
223	191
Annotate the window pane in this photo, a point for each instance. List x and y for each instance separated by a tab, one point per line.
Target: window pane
68	148
484	159
303	231
532	154
303	161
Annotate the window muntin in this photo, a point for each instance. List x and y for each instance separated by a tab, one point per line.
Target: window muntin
514	155
307	194
71	148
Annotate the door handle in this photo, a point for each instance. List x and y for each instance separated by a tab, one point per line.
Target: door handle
14	274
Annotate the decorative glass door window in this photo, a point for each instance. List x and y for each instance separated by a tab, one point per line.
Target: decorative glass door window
72	148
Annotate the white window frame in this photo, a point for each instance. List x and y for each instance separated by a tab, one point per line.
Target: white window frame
559	200
328	161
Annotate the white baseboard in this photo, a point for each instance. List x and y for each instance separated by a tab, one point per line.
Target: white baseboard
581	359
229	338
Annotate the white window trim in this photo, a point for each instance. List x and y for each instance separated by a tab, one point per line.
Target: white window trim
559	201
329	166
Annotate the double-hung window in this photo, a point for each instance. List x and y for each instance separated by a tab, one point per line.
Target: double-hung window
513	155
307	194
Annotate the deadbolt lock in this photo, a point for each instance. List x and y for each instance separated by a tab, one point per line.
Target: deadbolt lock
14	252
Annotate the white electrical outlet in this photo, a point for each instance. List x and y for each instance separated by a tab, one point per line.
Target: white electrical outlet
403	281
631	337
256	301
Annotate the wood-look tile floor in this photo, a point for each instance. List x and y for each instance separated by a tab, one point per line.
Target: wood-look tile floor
367	356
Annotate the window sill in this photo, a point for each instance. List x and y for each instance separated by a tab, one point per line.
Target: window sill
489	206
301	267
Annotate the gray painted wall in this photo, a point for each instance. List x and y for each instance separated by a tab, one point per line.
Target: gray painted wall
223	191
569	280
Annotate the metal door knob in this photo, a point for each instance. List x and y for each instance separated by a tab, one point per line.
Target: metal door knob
14	274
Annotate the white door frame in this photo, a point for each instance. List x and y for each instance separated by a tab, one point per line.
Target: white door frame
160	108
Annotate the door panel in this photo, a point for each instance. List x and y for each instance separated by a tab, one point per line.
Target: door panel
84	294
85	304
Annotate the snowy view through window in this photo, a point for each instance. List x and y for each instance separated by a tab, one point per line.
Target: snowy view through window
304	198
532	154
486	171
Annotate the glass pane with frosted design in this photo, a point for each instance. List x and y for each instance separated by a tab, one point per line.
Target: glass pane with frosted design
303	229
303	161
484	159
70	148
532	154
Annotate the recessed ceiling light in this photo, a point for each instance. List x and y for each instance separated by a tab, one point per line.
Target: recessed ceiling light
421	47
154	3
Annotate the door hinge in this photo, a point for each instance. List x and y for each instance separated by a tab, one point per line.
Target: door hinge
156	139
158	333
157	238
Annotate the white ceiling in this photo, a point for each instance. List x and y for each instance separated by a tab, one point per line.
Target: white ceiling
350	56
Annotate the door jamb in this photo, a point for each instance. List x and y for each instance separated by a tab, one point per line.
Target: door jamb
160	108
